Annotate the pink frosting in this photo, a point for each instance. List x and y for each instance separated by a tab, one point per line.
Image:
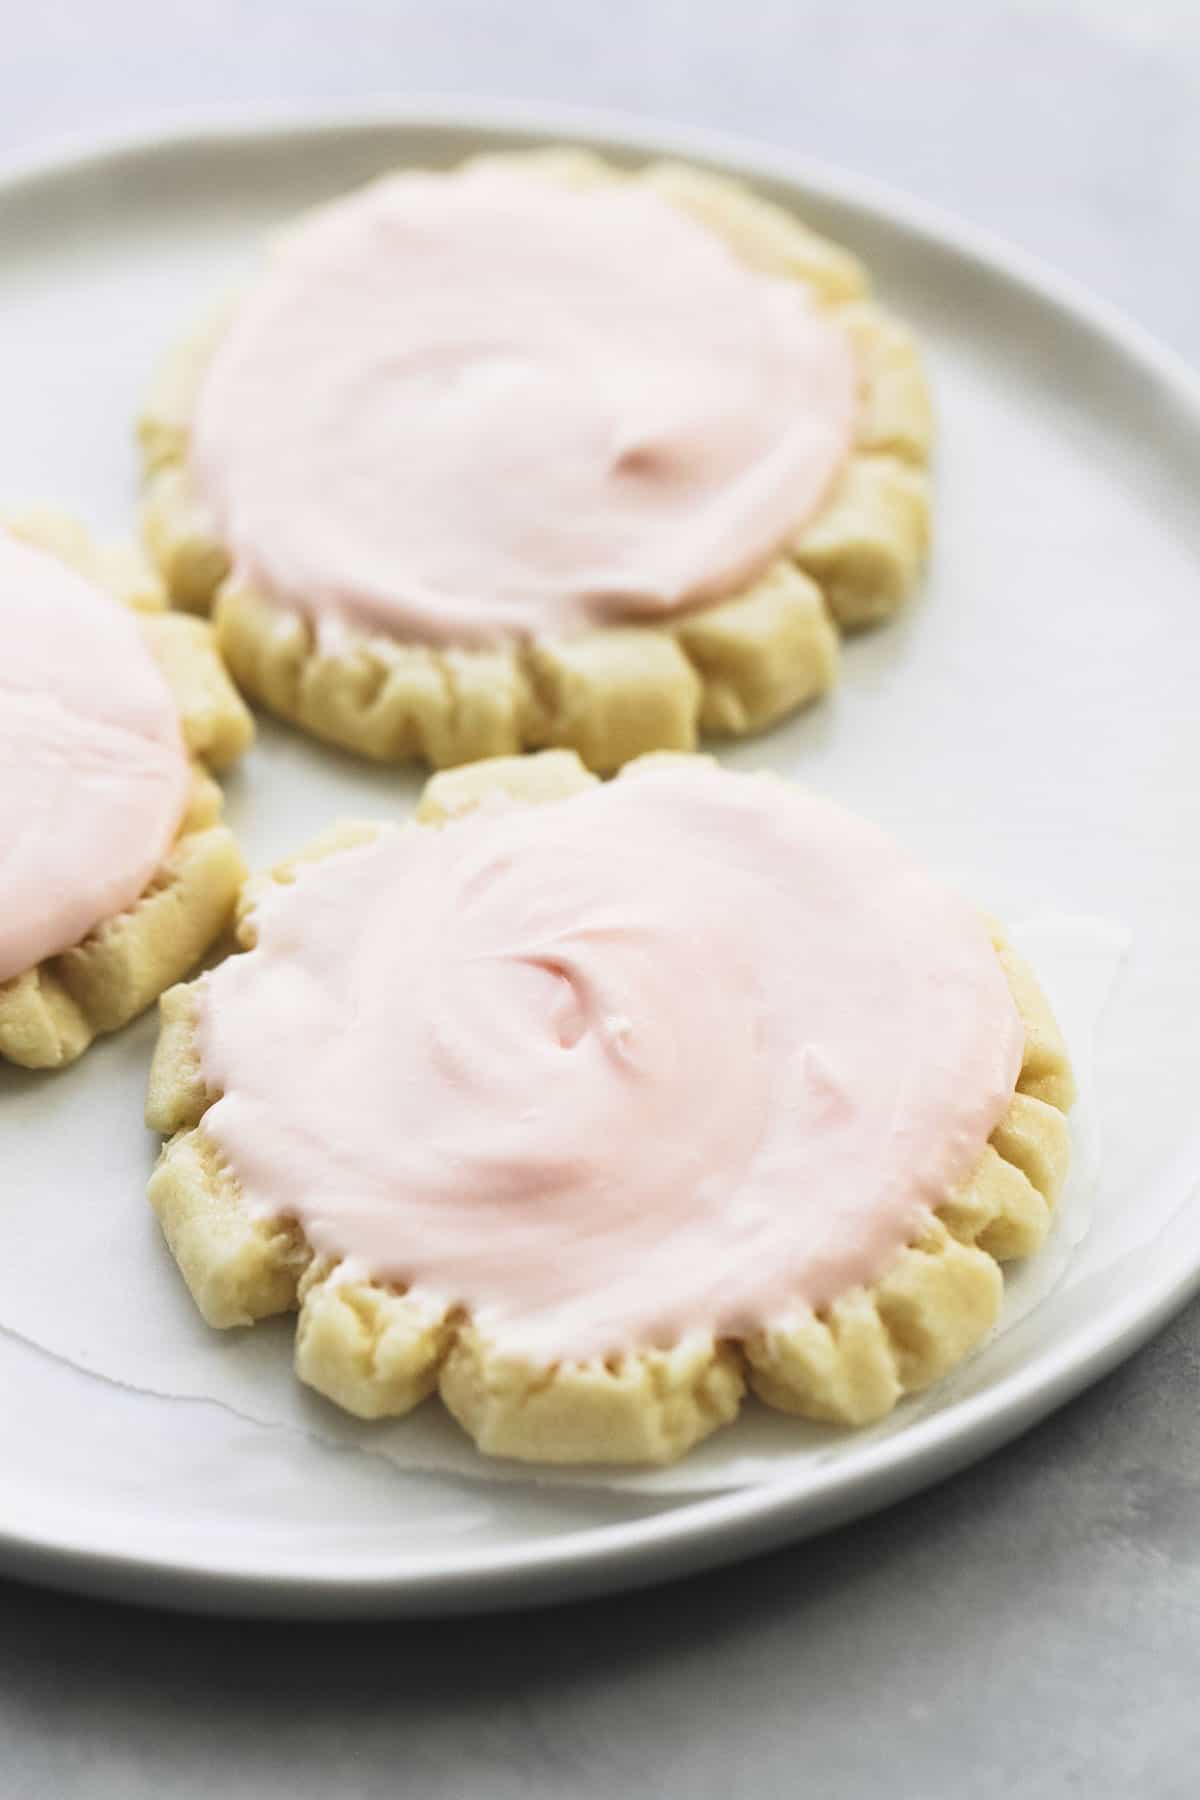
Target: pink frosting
474	407
681	1053
93	772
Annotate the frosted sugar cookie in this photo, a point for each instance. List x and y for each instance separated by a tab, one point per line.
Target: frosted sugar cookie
116	873
588	1104
540	452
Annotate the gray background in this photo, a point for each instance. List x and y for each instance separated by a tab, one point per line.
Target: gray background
1032	1627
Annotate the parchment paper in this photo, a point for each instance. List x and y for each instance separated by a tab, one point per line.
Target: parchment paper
95	1288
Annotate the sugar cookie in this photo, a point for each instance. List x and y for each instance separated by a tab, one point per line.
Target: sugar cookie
588	1104
540	452
117	873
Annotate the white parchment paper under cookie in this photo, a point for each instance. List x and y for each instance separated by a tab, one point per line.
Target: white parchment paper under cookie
91	1284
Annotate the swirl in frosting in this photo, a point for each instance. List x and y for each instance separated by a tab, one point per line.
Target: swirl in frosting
93	772
679	1053
475	407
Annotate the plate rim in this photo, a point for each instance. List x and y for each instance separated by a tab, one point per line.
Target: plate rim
687	1535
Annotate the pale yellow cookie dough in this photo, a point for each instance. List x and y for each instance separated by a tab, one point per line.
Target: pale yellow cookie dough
51	1013
377	1352
727	669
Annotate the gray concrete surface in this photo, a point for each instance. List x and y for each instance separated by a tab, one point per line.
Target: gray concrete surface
1031	1628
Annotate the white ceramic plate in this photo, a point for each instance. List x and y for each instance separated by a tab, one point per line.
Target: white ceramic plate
1033	720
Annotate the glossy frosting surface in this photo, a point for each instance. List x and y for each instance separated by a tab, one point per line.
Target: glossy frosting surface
475	407
93	772
677	1054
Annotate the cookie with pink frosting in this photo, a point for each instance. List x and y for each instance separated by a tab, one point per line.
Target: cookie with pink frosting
589	1105
541	452
117	873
